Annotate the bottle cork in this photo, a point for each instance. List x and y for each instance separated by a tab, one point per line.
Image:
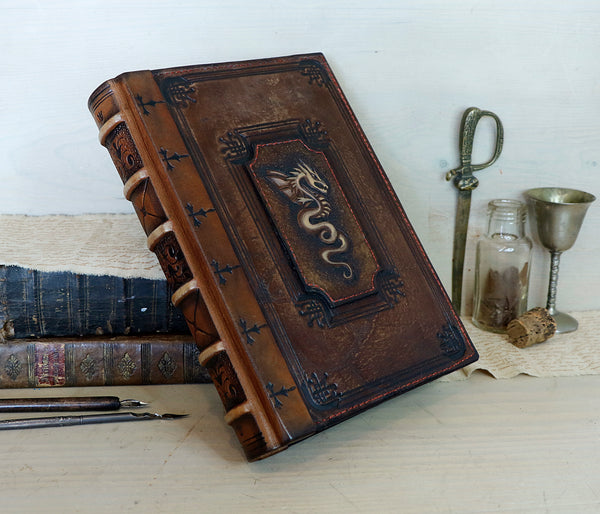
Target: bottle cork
533	327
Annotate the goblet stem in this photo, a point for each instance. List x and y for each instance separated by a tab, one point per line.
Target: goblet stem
553	284
564	322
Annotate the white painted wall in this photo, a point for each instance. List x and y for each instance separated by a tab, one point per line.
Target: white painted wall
409	69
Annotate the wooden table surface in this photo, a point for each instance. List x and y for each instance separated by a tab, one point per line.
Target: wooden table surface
480	445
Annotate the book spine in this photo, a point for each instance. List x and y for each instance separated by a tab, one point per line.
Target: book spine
64	362
113	115
65	304
138	189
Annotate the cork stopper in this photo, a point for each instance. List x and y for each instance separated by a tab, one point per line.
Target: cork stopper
533	327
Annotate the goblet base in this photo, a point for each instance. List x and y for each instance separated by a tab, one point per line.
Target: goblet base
564	322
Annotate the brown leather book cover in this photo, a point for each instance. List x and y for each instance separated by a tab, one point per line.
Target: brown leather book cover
308	292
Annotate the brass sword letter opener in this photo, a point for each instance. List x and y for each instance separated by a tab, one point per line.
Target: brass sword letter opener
465	182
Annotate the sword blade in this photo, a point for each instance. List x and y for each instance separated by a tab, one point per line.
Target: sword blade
461	225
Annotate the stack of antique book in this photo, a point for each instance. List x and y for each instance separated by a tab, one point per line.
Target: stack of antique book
71	329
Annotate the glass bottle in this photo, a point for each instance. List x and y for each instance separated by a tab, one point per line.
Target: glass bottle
502	267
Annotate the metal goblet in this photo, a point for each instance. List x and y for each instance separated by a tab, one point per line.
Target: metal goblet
559	213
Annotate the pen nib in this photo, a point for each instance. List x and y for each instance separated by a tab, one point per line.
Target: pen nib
173	416
155	415
133	404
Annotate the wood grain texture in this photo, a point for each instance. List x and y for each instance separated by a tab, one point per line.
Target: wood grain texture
482	445
409	70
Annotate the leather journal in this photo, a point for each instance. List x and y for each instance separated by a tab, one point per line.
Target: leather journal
294	264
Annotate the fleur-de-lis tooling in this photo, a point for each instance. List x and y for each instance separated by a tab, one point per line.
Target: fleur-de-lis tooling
146	103
248	331
276	395
194	214
218	270
173	157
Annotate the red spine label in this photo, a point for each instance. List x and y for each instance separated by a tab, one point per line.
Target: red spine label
49	367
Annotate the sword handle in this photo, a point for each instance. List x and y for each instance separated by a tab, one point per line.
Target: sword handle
463	175
469	122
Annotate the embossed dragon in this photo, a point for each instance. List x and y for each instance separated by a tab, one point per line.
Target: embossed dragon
303	186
